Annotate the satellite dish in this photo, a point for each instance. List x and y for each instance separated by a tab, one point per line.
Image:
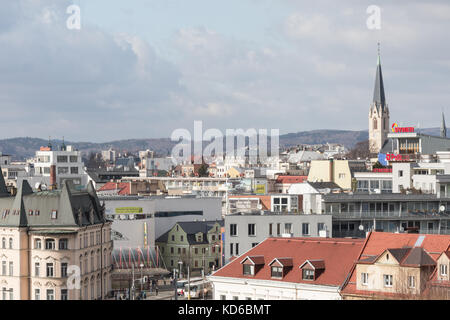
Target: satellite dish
442	208
361	227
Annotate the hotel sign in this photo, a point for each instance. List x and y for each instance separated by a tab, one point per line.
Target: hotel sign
397	129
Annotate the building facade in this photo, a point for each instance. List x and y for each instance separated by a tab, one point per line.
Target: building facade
47	237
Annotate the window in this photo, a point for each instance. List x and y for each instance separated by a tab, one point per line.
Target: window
305	229
50	244
308	274
288	228
237	249
61	159
50	270
4	293
37	294
400	173
270	229
63	294
182	238
4	243
235	298
171	250
10	243
231	249
278	228
63	244
50	294
11	268
4	268
63	170
173	237
74	170
11	294
387	280
36	269
254	244
320	226
54	214
443	269
64	269
249	270
251	229
277	272
364	278
222	297
233	230
411	281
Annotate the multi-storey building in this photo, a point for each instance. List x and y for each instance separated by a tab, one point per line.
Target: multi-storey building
53	167
55	245
400	266
197	244
246	230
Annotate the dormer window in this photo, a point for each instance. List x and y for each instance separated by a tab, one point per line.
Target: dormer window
54	214
280	267
249	270
308	274
312	269
276	272
252	264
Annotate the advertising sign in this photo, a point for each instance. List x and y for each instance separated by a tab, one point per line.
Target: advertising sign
397	129
260	189
129	210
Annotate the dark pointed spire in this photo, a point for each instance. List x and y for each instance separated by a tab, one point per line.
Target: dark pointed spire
378	93
443	127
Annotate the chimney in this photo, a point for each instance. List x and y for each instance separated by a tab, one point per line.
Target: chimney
52	177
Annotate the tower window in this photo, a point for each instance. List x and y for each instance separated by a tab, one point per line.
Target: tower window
375	124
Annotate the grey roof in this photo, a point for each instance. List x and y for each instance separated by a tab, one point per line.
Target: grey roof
378	93
324	185
34	209
3	189
418	257
192	228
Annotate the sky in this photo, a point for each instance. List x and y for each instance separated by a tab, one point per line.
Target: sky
143	68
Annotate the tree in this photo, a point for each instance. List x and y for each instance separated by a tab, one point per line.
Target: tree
360	150
203	170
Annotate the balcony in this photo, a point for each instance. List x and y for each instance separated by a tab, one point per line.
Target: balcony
391	215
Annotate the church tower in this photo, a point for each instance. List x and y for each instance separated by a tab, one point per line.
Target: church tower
378	113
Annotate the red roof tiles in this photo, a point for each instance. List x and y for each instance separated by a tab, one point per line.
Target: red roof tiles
338	254
122	187
377	242
291	179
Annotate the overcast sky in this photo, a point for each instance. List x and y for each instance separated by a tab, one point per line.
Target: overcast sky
143	68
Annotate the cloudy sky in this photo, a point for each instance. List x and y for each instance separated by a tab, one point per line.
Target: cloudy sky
143	68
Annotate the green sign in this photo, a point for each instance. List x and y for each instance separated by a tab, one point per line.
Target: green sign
129	210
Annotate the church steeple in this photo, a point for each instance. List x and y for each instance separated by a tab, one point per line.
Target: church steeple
378	113
443	127
378	94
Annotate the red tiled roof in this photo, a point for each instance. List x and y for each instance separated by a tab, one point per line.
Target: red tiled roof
123	187
291	179
284	262
316	264
377	242
338	254
256	260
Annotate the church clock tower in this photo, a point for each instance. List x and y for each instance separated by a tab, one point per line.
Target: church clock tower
378	114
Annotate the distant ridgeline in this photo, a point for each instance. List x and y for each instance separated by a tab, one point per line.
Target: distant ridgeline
25	147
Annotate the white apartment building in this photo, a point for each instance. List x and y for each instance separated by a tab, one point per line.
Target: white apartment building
67	163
